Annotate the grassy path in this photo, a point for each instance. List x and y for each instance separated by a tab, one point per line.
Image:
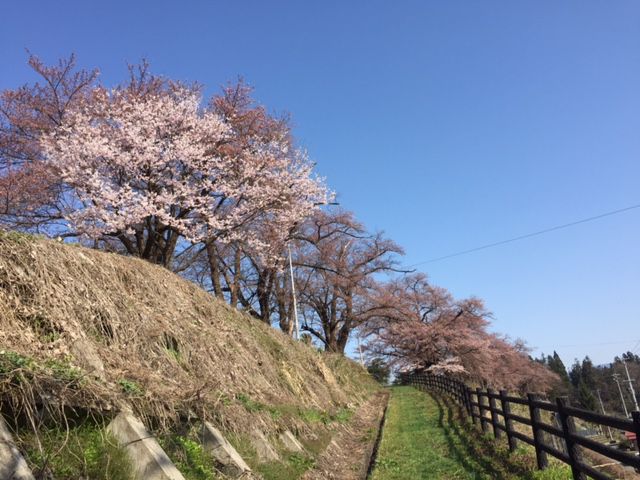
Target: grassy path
423	440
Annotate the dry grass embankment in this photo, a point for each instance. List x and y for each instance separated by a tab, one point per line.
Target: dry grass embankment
104	332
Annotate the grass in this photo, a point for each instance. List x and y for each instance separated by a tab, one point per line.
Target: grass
85	451
317	444
309	415
19	366
291	468
312	415
130	387
423	438
189	457
17	237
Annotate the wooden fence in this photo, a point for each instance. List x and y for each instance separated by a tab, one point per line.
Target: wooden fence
493	411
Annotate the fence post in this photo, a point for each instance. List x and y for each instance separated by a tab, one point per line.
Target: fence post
508	423
463	397
483	421
497	433
569	429
636	427
471	412
538	434
467	399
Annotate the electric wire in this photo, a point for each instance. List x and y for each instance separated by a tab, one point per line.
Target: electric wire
528	235
597	344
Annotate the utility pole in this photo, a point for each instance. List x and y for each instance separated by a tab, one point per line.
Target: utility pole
617	380
360	350
604	413
293	292
629	381
293	283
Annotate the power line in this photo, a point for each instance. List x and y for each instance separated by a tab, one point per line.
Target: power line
528	235
598	344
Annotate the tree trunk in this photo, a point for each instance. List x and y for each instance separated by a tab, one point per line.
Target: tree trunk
264	293
237	273
214	268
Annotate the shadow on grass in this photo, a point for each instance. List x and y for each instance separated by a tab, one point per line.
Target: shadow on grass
475	451
460	447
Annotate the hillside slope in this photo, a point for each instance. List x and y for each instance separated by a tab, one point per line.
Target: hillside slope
105	332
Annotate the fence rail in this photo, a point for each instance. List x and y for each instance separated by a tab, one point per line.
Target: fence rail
493	411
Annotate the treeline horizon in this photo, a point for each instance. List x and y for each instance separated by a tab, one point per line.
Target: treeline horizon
583	380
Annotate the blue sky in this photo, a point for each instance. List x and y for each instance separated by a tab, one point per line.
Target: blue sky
447	124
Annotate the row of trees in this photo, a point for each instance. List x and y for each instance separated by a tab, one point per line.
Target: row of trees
218	191
587	383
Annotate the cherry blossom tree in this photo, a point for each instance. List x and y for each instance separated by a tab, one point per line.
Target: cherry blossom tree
136	166
147	167
31	193
425	328
259	252
145	164
247	273
337	264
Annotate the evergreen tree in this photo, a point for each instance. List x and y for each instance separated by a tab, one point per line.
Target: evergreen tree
379	370
631	357
557	366
588	373
586	397
575	374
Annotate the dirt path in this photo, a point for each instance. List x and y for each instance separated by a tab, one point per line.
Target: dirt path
347	456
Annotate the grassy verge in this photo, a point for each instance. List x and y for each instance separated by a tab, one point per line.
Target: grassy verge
423	438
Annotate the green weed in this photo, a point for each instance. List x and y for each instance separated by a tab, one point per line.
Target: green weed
189	457
130	387
250	405
63	370
292	468
19	368
86	451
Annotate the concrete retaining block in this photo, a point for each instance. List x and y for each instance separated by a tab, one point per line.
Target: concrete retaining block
12	464
149	460
223	452
88	358
264	450
290	442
